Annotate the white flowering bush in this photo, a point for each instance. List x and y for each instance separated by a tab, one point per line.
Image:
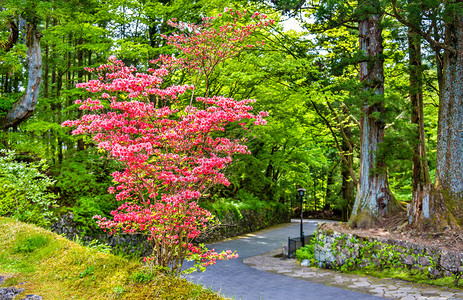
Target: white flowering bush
24	191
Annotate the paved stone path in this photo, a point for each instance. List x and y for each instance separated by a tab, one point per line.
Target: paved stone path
387	288
258	274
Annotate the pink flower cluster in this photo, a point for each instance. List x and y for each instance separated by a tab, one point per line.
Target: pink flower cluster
216	39
171	157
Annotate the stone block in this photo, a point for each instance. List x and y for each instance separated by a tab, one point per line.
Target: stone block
418	249
424	261
434	272
409	260
305	263
450	260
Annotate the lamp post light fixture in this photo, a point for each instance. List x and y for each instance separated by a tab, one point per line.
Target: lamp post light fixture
301	193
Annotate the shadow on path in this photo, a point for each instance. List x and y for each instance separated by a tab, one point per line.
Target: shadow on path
234	279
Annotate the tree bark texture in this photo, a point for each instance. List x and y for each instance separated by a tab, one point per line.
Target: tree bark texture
441	203
24	107
418	209
374	198
449	165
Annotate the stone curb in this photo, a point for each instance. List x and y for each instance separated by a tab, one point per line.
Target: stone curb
387	287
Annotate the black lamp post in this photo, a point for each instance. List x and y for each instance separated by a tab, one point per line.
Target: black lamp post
301	193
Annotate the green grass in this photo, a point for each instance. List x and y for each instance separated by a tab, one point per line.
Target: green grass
142	277
56	268
32	243
411	276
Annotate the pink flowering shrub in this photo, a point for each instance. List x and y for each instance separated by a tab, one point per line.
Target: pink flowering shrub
206	45
170	155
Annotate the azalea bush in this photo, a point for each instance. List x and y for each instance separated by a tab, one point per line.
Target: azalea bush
171	153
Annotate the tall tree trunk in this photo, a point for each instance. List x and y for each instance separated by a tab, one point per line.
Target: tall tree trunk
59	108
374	198
6	85
441	203
347	193
315	192
89	57
24	107
52	141
329	182
348	186
420	174
438	52
46	66
446	200
80	78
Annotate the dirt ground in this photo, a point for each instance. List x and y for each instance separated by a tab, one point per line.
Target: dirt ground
397	228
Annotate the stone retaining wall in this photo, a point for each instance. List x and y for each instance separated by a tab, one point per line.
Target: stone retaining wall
335	250
233	224
246	221
127	243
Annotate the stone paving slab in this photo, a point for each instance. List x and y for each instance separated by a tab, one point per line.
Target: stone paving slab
235	280
385	287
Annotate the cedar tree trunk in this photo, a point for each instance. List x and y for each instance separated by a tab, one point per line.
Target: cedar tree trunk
440	207
374	198
445	200
420	175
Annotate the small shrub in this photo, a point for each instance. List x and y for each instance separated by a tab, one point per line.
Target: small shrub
7	198
84	209
99	246
24	188
88	271
94	244
142	277
118	290
307	252
31	244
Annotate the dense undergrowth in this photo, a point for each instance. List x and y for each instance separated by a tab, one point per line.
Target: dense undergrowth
53	267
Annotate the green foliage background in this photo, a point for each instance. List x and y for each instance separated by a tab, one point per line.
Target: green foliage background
294	73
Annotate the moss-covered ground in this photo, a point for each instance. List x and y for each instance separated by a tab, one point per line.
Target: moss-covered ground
53	267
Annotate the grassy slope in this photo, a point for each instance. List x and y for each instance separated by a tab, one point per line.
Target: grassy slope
56	268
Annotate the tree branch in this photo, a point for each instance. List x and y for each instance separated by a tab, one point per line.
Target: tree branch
417	30
343	157
24	107
12	37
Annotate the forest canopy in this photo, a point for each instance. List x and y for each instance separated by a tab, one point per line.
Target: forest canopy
364	103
